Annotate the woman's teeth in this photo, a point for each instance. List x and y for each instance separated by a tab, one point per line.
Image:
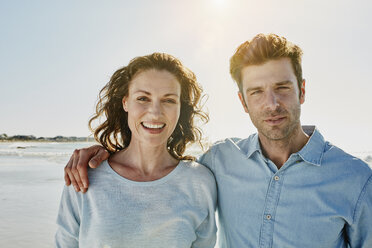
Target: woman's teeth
149	125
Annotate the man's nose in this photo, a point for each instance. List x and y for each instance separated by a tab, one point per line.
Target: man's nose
271	100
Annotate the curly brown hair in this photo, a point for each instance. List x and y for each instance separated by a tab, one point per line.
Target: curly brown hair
261	49
114	133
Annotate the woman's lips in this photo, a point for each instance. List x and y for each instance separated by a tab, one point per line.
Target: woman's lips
153	128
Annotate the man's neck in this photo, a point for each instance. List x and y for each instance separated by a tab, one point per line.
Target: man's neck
278	151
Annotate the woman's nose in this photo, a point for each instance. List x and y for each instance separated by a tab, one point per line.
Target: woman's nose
155	108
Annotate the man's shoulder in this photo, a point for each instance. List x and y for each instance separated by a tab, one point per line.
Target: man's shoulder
228	150
346	161
234	143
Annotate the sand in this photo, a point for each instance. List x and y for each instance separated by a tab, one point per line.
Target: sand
30	191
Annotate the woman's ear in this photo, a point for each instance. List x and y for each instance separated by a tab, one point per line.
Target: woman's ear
125	104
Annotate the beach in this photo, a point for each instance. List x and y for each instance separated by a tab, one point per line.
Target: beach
30	189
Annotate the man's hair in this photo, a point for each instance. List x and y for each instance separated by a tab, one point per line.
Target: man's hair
114	133
261	49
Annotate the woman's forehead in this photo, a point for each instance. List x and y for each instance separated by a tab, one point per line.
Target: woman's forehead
155	82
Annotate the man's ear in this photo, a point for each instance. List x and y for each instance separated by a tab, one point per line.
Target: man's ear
302	92
125	104
241	97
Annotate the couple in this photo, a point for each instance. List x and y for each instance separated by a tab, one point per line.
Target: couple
282	187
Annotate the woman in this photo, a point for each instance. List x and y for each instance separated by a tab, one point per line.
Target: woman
147	194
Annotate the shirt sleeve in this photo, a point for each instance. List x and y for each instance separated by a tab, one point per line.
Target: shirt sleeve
359	234
207	158
206	231
68	220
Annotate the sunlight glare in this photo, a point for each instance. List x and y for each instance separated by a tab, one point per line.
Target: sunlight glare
219	3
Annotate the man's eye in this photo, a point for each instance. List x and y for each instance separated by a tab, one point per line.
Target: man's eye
283	87
256	92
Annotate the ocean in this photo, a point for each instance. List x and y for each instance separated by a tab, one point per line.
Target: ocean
31	183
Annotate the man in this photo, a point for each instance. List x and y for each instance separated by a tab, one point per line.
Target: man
284	186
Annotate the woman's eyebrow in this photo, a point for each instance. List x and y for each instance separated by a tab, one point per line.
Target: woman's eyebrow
148	93
142	91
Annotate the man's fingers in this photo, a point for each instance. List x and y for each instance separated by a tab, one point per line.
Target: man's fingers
68	167
74	169
72	178
67	180
101	155
82	172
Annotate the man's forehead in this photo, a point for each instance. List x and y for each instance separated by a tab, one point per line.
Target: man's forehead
271	72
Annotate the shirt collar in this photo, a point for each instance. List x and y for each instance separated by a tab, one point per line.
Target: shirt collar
252	146
311	153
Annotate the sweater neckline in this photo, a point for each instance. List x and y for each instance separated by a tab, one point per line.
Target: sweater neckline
164	179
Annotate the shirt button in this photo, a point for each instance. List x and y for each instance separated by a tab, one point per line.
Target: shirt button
276	178
268	217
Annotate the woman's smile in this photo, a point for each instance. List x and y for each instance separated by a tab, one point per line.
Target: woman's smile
153	128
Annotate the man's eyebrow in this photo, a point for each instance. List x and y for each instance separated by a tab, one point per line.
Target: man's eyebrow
253	88
284	82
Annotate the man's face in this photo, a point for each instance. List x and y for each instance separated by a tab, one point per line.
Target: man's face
272	98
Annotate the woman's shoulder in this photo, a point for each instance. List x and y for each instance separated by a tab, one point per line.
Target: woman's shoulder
195	167
200	180
101	172
198	172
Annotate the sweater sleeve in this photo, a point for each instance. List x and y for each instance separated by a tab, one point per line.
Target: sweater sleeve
68	220
206	232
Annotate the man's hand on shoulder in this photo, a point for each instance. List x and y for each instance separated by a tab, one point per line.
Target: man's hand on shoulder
76	170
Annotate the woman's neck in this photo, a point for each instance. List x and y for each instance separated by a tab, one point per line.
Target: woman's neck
143	163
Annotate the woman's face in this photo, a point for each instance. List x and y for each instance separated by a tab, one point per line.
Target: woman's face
153	106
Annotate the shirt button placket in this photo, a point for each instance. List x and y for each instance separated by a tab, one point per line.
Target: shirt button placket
272	196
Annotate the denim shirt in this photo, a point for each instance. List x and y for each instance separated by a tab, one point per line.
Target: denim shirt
320	197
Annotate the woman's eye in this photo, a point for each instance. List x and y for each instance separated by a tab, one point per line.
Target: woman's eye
170	101
142	98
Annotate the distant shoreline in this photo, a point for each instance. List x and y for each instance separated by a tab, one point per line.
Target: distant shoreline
32	138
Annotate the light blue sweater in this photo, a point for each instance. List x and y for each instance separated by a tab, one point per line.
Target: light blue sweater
174	211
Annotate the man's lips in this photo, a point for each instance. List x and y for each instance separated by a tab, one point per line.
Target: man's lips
275	120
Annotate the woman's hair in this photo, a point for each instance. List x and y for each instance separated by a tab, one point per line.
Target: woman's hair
114	133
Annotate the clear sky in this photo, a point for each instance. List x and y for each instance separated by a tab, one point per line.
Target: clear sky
55	56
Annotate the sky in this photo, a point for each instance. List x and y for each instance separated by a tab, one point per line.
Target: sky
55	56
